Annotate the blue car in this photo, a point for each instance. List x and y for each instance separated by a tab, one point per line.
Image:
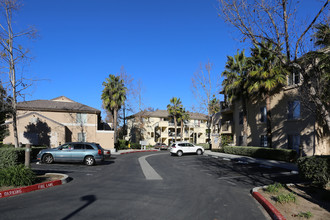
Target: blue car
88	153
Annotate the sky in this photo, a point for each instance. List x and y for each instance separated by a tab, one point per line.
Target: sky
159	43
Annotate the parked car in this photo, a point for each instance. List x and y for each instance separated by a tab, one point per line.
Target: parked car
161	146
88	153
180	148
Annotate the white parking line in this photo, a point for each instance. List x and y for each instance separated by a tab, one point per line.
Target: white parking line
148	171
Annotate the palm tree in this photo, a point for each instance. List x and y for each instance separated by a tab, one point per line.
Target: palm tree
214	107
183	117
174	110
267	78
114	96
236	84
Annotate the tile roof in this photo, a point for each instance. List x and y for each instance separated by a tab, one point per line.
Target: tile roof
56	106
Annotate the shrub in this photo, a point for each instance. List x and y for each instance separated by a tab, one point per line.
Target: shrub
10	156
261	152
286	198
206	146
226	140
307	215
315	169
274	188
17	175
135	146
122	144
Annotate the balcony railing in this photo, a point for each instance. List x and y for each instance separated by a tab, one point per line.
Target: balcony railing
225	107
227	127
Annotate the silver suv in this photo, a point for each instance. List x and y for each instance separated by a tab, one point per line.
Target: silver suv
180	148
89	153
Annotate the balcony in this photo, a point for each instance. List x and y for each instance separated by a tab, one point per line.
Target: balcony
225	107
227	127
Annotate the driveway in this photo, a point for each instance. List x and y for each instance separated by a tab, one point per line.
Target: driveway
190	187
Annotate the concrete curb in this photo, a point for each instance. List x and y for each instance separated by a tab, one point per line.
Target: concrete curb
272	211
26	189
138	151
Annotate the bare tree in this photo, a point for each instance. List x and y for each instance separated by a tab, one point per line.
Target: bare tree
13	54
204	88
275	21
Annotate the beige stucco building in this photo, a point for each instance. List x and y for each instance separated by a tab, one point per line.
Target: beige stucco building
293	125
54	122
157	127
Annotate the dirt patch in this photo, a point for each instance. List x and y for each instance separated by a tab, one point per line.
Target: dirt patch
310	202
39	179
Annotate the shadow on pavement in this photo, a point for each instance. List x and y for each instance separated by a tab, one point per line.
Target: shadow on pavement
89	200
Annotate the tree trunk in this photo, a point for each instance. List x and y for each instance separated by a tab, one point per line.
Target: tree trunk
115	126
244	122
182	130
175	125
269	122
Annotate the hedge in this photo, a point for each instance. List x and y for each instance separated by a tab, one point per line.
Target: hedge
17	175
315	169
11	156
261	152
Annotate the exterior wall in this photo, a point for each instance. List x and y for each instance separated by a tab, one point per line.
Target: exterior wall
282	126
194	129
63	128
105	139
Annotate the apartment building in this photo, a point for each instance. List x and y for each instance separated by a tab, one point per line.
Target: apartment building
157	127
56	121
293	125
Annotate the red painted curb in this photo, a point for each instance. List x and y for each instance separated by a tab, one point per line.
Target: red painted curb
272	211
138	151
26	189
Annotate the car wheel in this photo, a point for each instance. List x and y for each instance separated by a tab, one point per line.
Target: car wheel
48	158
199	152
179	153
89	161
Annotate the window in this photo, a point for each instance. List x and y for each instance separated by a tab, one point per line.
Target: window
89	147
263	141
294	78
294	110
81	118
294	141
79	146
82	137
263	114
241	117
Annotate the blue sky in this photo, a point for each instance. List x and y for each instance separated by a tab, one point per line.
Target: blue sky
160	43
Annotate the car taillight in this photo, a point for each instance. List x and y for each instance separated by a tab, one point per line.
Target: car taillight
108	152
99	152
173	147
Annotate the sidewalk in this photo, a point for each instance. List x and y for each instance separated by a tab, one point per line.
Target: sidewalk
270	163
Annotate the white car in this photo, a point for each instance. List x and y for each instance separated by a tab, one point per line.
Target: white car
180	148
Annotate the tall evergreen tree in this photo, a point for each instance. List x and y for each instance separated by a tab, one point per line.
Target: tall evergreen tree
174	110
236	84
114	96
267	78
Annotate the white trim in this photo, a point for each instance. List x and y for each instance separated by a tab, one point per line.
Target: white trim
79	125
101	131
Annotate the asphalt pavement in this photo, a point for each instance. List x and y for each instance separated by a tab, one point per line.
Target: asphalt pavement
190	187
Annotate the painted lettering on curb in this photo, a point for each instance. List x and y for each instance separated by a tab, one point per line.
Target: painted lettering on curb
12	192
44	186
